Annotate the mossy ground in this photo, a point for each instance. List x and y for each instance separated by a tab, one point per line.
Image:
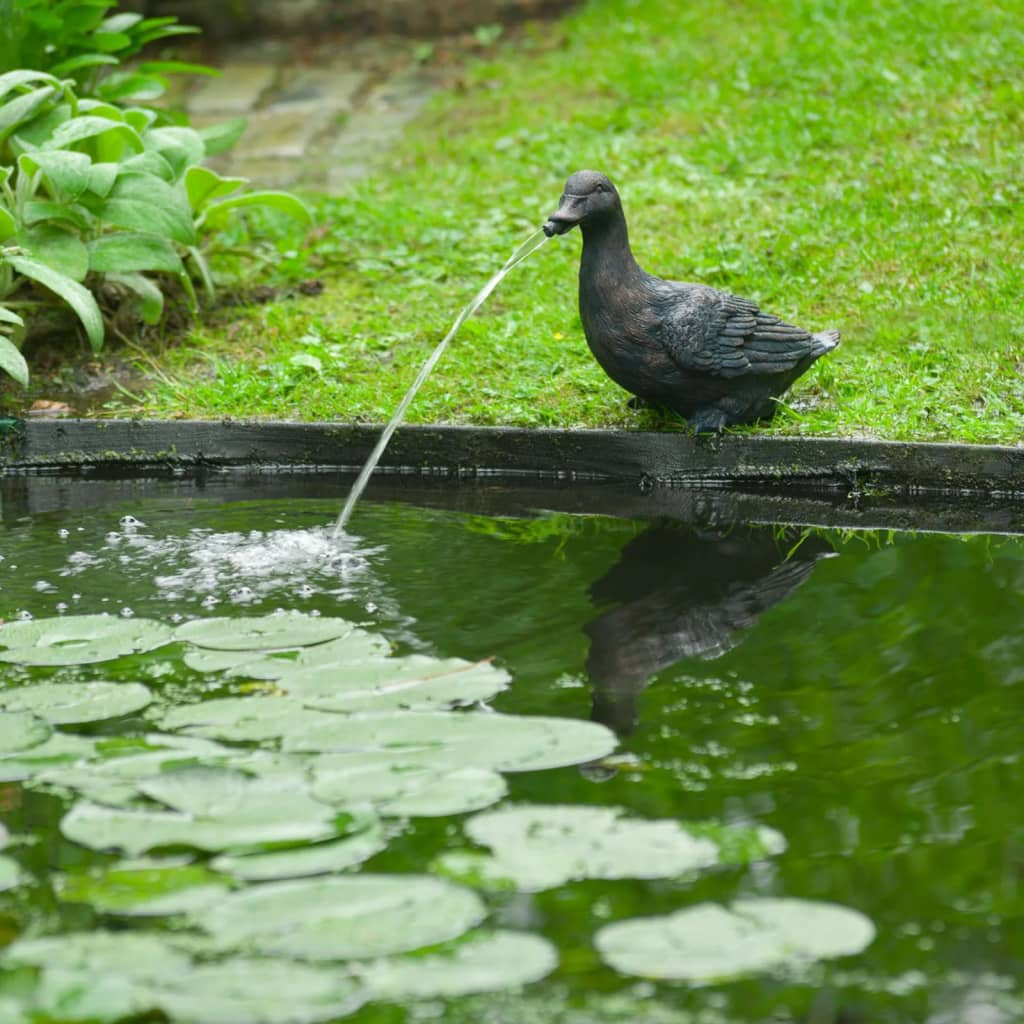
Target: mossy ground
855	166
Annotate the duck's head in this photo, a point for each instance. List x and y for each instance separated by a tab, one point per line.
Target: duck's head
588	196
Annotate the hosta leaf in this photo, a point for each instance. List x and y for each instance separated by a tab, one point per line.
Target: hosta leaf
144	202
57	247
708	942
77	297
72	703
283	202
12	362
125	252
79	639
352	916
147	293
481	962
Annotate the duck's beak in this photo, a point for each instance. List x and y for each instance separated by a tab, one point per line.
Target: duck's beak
569	213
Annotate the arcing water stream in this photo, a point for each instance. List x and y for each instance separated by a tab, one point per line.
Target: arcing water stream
534	242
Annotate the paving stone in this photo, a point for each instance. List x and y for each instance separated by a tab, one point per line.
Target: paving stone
282	133
332	89
236	91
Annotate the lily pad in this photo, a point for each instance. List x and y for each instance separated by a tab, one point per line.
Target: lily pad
21	730
73	703
405	790
709	943
536	847
263	633
416	681
261	992
482	962
350	917
464	739
145	890
317	859
244	719
10	873
79	639
59	749
213	809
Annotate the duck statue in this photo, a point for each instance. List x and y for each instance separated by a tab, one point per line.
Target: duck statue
712	357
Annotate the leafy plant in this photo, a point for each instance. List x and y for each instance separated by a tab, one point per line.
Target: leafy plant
93	194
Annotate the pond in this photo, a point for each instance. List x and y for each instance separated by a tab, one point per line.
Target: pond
476	767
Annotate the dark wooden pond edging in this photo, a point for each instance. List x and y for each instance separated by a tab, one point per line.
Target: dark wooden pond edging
648	458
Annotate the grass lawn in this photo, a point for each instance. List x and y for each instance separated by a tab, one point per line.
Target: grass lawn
857	165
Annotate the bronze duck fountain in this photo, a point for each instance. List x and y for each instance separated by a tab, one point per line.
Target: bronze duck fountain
712	357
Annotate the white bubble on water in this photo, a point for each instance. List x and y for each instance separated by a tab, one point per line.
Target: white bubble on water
43	586
24	615
63	534
126	612
62	607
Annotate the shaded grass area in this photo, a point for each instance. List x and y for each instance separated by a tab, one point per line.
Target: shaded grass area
847	165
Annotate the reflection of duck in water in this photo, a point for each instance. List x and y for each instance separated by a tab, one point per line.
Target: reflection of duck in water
678	591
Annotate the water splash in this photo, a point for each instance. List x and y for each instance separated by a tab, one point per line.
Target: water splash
534	242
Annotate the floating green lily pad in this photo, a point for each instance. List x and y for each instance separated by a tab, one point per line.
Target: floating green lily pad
59	749
479	963
145	890
261	992
355	916
263	633
709	942
73	703
244	719
21	730
79	639
416	682
463	739
536	847
213	809
317	859
145	955
404	790
10	873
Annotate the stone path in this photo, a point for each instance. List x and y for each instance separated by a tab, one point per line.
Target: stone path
318	118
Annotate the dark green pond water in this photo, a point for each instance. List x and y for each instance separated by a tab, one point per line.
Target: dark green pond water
826	725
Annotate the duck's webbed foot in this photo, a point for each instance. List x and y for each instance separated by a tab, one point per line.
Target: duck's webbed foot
708	421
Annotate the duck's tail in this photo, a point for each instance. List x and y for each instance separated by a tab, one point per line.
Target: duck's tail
824	342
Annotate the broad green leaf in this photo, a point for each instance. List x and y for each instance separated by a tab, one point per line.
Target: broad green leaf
8	225
12	362
178	67
480	962
470	739
140	118
709	943
148	889
73	703
10	874
144	202
20	730
126	252
37	132
149	163
84	60
353	916
416	681
120	22
38	210
19	110
77	297
268	632
100	108
271	991
145	955
203	185
316	859
219	138
181	147
8	316
12	79
66	173
90	126
102	177
536	847
57	247
79	639
110	42
401	789
122	86
243	719
283	202
147	293
202	268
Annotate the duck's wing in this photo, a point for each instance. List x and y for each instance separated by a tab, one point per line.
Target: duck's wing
714	332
